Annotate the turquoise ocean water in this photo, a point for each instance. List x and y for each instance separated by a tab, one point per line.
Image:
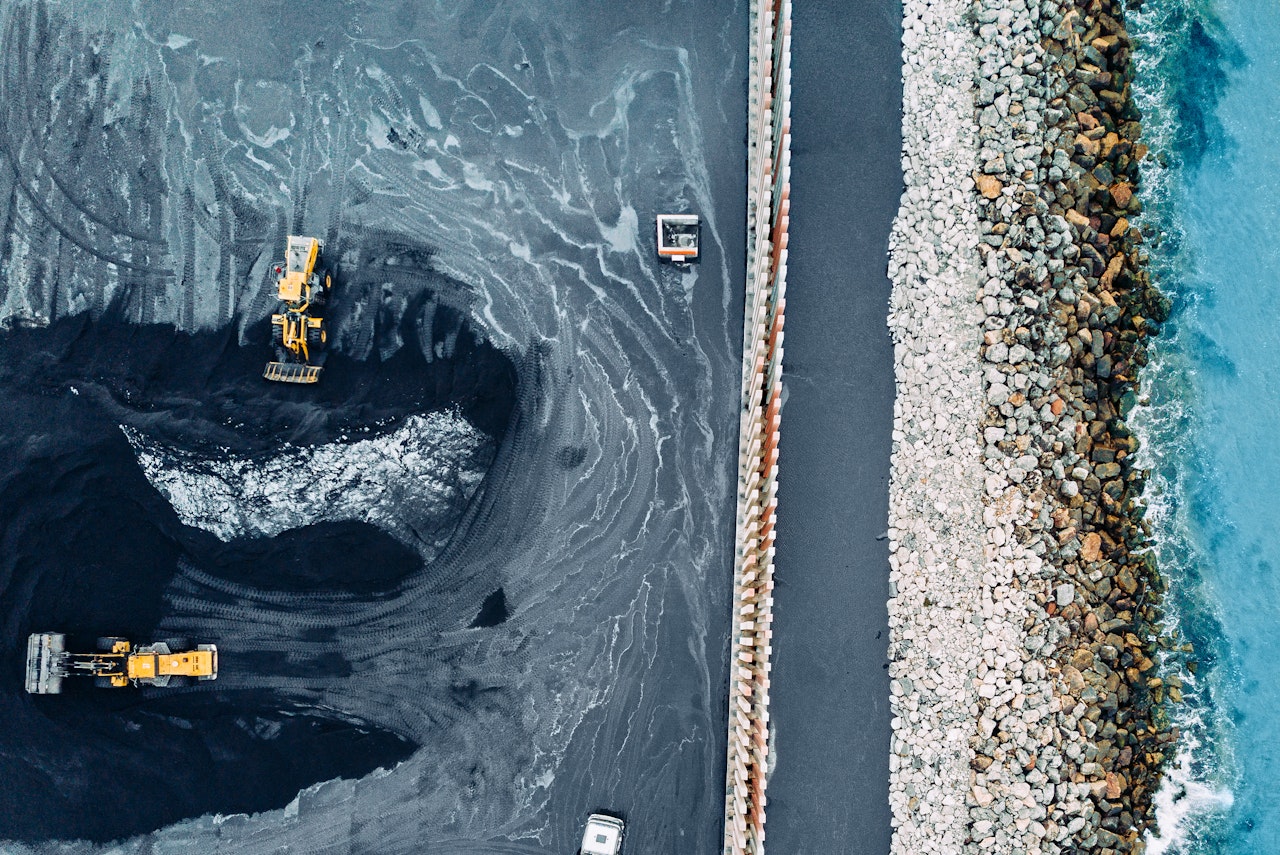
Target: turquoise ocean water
1209	87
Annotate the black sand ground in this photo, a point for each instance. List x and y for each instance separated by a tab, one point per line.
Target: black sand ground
90	547
523	149
829	792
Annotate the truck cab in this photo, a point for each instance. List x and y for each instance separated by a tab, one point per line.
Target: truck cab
678	238
602	836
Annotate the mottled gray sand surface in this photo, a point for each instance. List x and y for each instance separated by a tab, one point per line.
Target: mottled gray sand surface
485	177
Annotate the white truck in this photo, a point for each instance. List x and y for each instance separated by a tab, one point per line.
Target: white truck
678	236
602	836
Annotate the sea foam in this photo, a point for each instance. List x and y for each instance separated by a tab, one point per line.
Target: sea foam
1184	798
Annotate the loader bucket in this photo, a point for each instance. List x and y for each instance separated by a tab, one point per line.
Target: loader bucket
45	652
212	648
291	372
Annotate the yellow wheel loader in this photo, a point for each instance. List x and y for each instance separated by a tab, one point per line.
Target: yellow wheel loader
298	333
117	663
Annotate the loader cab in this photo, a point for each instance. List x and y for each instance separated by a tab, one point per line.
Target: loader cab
300	261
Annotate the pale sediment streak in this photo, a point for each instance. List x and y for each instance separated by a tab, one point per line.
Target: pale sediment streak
935	501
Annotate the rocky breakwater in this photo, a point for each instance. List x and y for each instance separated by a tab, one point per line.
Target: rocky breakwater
1067	306
1056	617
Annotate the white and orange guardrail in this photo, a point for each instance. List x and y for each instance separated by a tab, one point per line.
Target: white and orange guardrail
768	206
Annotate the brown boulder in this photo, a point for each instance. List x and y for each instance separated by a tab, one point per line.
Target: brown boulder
1121	193
1113	270
1108	143
988	185
1091	547
1073	679
1114	788
1086	145
1105	44
1082	659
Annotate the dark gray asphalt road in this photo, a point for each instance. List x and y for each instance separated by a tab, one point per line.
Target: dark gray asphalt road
829	791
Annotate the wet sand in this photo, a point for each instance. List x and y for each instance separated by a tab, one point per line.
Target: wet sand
495	168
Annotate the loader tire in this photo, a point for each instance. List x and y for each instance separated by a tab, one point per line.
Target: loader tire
178	645
317	336
321	294
106	642
102	682
277	335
